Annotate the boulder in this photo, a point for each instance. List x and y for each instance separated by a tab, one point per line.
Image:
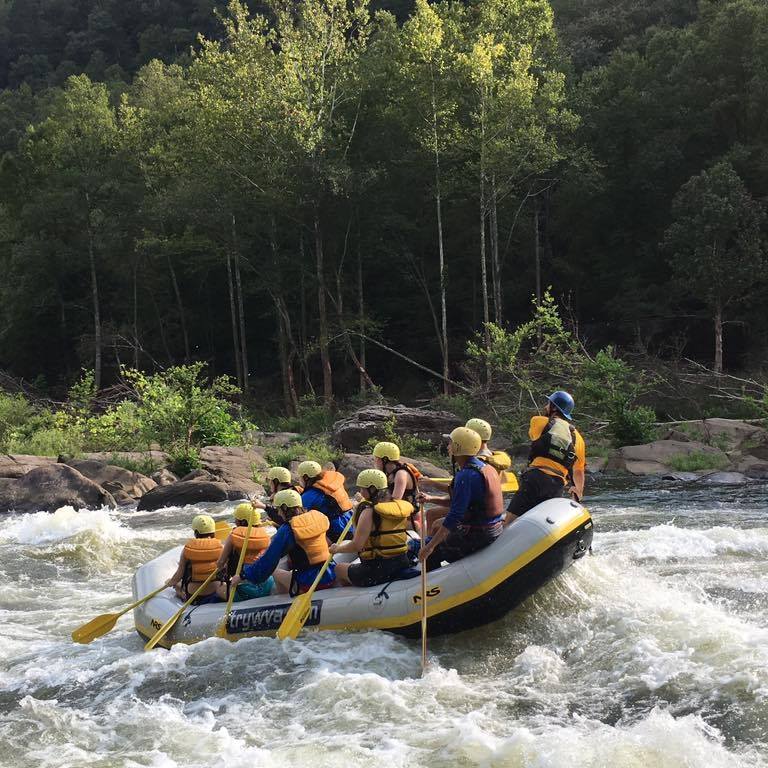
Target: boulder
188	492
234	466
351	464
653	458
164	477
123	484
725	478
753	467
47	488
353	432
681	477
200	474
277	439
16	465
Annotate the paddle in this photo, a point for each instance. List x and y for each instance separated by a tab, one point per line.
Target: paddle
222	628
223	529
422	523
298	613
158	636
509	482
99	626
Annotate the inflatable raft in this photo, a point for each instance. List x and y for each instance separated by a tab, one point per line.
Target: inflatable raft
469	593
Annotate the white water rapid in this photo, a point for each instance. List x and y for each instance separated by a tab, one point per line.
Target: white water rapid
653	653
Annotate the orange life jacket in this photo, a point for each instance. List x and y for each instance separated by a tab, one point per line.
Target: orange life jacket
331	483
257	542
309	529
493	502
413	473
389	532
202	555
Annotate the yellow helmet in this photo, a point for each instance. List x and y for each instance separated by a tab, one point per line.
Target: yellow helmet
372	477
386	452
246	512
482	427
287	498
310	469
281	474
203	524
466	442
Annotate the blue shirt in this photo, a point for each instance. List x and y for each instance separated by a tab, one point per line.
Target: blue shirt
314	498
282	543
468	491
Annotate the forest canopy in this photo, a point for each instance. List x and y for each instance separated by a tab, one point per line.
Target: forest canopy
296	192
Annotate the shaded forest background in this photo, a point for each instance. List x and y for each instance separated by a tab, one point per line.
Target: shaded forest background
291	191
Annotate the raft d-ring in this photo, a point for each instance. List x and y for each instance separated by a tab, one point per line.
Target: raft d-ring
550	521
580	550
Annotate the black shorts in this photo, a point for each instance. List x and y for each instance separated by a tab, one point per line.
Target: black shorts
378	570
461	543
535	486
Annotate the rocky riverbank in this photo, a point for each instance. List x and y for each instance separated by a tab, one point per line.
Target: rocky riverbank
724	451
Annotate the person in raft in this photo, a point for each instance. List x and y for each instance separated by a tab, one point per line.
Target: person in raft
381	534
324	491
258	541
199	559
557	459
302	537
278	479
402	477
474	508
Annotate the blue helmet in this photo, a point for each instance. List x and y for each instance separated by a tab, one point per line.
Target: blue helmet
563	402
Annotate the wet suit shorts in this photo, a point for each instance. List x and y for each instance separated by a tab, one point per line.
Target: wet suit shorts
377	570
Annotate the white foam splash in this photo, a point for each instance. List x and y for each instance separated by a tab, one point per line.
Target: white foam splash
39	528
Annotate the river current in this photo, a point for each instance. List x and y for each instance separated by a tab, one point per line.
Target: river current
651	653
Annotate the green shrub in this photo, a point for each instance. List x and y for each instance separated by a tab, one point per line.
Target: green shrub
15	412
609	387
313	418
313	449
183	460
696	461
410	445
634	426
461	404
144	466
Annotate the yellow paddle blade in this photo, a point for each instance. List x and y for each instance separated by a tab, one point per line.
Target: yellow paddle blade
160	634
296	617
440	480
509	482
223	529
95	628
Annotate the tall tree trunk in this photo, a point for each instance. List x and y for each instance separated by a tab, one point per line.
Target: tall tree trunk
498	306
290	397
95	299
180	307
136	311
537	257
441	248
718	319
347	341
233	318
361	314
161	328
325	355
241	309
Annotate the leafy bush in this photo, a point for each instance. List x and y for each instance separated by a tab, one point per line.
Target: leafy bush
696	461
313	418
183	460
15	413
314	450
610	387
178	410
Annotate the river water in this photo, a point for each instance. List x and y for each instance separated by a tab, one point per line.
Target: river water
651	653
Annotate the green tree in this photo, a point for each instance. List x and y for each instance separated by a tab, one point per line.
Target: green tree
71	154
715	244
